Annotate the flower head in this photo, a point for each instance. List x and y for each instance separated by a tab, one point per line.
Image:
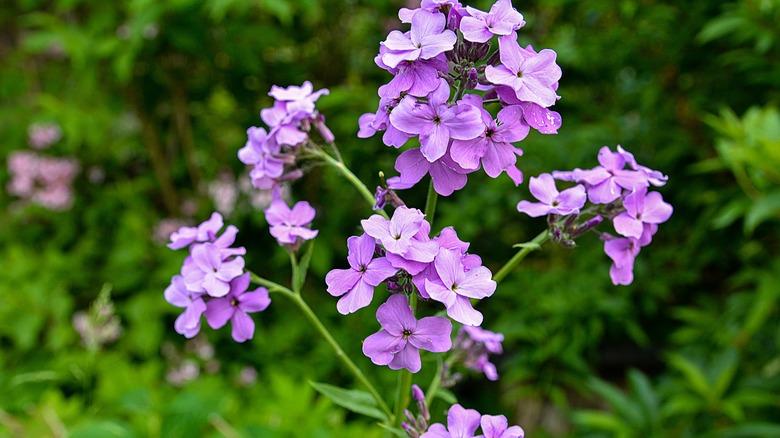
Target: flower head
236	307
461	423
356	285
480	26
401	338
188	323
569	201
532	76
427	39
457	286
210	269
291	226
642	208
497	426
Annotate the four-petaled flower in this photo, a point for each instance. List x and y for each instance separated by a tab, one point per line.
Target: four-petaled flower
290	226
497	426
461	423
531	75
502	20
356	285
427	39
207	270
401	338
642	208
458	286
236	306
543	188
188	323
436	122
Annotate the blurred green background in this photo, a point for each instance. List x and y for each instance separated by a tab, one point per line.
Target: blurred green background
153	98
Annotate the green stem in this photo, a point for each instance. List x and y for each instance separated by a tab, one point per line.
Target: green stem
344	170
430	203
404	392
315	321
433	388
533	245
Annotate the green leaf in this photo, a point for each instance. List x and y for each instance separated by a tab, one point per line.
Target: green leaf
763	208
752	430
303	266
355	400
394	430
599	420
693	374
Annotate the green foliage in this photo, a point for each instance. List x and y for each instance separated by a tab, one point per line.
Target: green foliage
153	98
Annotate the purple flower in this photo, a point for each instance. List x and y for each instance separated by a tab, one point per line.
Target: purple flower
532	76
642	208
416	78
290	226
476	344
461	423
396	233
543	188
264	157
606	183
299	101
447	175
210	269
356	285
502	20
188	323
427	39
205	232
436	122
371	123
447	239
457	286
623	252
496	426
236	306
401	338
493	148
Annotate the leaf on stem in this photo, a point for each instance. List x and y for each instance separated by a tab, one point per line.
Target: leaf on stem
354	400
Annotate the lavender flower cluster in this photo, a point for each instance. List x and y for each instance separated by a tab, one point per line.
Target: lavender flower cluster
212	282
617	190
433	94
401	252
273	154
46	181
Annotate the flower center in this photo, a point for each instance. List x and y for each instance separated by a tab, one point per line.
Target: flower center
362	268
436	120
556	203
519	74
406	333
234	302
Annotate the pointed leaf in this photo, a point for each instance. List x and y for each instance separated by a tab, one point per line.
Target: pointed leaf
355	400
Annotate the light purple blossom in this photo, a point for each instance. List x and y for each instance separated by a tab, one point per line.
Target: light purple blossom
605	183
396	234
497	426
569	201
371	123
46	181
188	323
457	286
210	269
299	100
401	338
476	344
262	154
427	39
291	226
356	285
447	175
502	20
236	307
493	148
623	252
642	208
416	78
205	232
461	423
532	76
436	122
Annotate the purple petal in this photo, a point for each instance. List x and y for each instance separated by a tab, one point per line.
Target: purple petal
462	422
628	226
243	327
543	188
432	334
656	211
341	281
477	284
361	250
381	347
408	357
533	209
219	311
359	297
463	312
255	301
378	270
395	315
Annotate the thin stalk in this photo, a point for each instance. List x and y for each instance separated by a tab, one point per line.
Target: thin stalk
320	327
430	203
404	390
533	245
433	388
344	170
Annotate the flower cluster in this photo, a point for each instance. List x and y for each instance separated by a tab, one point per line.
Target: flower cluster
213	282
461	423
617	190
272	154
474	345
46	181
442	84
401	252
